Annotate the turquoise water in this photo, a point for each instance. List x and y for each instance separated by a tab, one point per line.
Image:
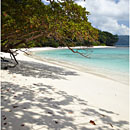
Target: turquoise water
110	62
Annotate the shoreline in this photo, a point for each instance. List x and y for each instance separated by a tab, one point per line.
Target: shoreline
78	67
102	100
52	48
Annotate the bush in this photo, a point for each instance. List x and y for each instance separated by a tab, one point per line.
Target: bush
54	44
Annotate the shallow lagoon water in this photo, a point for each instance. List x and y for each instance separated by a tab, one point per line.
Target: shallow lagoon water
108	62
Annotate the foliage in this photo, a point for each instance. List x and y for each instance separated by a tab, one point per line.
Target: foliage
27	20
30	23
107	38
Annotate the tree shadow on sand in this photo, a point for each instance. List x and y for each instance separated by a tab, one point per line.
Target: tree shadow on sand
41	107
40	70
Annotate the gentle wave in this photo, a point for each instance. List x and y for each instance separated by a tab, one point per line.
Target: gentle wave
112	63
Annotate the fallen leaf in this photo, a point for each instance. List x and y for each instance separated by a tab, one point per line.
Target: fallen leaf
92	122
70	112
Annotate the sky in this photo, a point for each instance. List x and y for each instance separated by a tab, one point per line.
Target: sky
108	15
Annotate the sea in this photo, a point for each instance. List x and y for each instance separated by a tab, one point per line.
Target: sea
111	63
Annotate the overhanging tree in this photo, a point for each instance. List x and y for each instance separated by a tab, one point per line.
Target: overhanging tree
27	20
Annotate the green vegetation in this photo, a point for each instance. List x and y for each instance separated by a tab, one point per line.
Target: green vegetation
31	23
27	20
107	38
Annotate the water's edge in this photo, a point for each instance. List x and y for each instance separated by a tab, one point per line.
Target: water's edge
70	66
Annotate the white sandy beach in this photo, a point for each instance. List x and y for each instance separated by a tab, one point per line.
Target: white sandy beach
38	95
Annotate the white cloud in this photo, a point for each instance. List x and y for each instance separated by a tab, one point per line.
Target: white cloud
105	14
112	26
46	2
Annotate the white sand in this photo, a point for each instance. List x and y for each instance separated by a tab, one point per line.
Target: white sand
37	95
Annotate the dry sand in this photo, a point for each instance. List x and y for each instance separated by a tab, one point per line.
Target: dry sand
37	95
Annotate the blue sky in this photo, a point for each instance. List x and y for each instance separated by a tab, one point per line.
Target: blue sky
108	15
117	1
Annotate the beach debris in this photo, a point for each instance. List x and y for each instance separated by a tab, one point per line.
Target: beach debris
22	125
10	110
15	106
56	122
7	89
50	99
92	122
70	112
50	113
5	123
4	118
111	125
55	106
5	68
36	84
103	115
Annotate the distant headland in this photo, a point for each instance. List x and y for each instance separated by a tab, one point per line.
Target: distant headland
123	40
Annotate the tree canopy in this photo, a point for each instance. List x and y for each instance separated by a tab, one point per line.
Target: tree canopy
107	38
25	23
27	20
